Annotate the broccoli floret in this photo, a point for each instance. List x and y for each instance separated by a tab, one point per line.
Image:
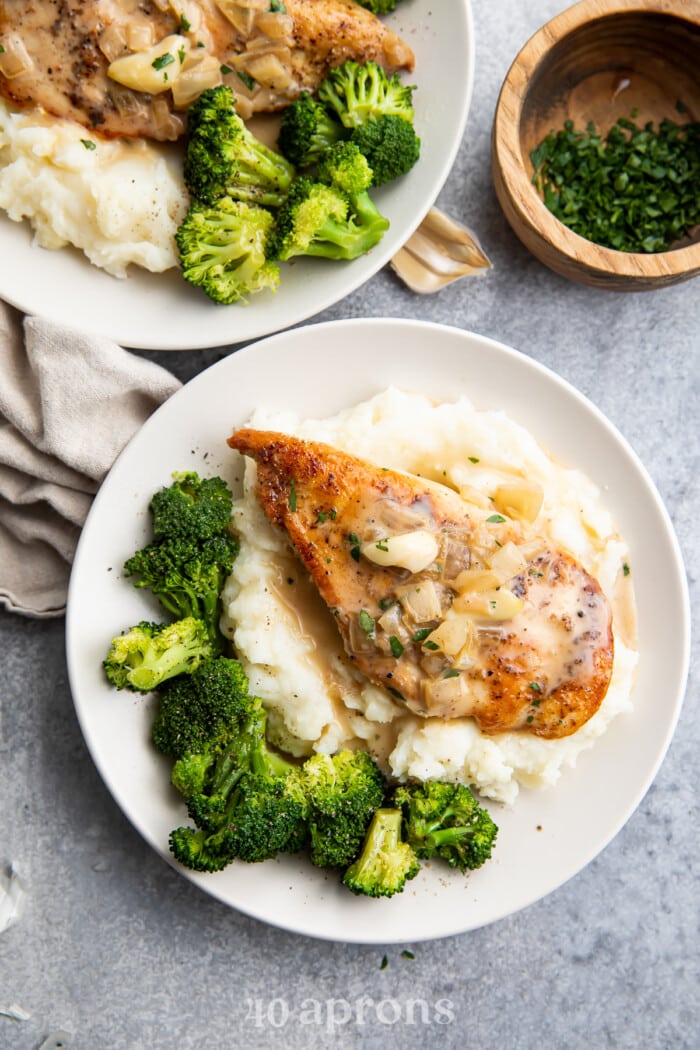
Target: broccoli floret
390	145
262	819
185	566
444	820
386	862
191	508
148	654
358	92
344	790
316	220
224	159
198	850
199	709
246	801
345	168
222	250
307	129
186	577
379	7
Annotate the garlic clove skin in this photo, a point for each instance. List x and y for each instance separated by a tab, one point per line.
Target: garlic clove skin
440	251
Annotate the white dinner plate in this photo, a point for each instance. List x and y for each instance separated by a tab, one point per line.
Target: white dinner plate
162	312
548	835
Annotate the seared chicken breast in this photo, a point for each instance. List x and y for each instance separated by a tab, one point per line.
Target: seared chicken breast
59	56
421	615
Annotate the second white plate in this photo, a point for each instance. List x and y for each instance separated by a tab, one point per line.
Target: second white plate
162	312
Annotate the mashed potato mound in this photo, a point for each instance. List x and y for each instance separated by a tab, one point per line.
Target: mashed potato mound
119	202
293	653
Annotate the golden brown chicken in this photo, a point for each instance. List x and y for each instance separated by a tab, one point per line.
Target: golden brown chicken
130	67
522	643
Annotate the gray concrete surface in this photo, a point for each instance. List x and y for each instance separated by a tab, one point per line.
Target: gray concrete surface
119	951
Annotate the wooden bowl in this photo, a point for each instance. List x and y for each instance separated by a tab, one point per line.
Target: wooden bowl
597	61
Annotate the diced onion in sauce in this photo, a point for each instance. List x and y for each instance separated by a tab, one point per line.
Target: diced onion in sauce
421	602
167	125
519	499
126	102
475	496
499	604
242	14
391	622
14	57
396	517
112	42
440	692
139	36
457	558
200	71
268	69
275	24
360	640
533	548
476	580
507	562
434	664
452	634
188	13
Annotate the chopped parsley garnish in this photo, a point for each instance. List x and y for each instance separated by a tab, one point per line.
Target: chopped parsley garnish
226	69
407	955
278	7
185	23
452	673
474	459
536	687
321	517
625	569
89	144
496	519
395	646
247	80
162	61
382	545
395	692
635	190
386	603
422	634
384	963
366	622
292	495
433	646
354	546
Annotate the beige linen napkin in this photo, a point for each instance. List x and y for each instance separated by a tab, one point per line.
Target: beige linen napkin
68	405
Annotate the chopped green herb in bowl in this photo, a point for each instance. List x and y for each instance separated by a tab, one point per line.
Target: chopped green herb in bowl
635	190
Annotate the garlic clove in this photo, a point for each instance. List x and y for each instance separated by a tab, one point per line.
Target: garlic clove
440	251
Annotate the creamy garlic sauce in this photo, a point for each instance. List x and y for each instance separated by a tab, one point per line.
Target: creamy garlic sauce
300	601
302	670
